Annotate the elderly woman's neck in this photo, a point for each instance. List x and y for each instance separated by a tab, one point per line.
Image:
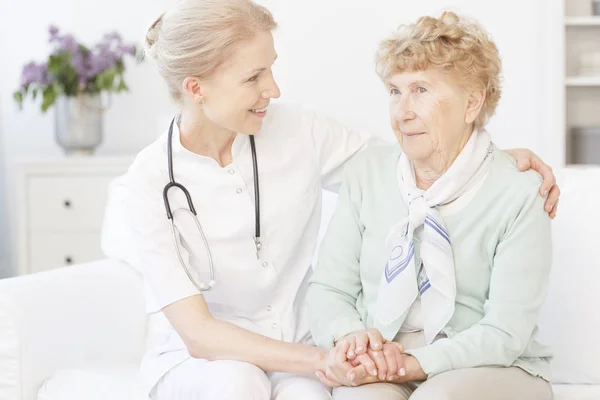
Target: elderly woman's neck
426	176
430	170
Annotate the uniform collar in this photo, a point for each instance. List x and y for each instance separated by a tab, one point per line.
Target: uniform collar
241	143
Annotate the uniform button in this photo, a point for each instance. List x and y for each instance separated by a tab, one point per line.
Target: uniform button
269	308
274	326
265	264
238	191
231	172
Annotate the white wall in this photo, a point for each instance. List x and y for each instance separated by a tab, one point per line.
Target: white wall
325	61
329	47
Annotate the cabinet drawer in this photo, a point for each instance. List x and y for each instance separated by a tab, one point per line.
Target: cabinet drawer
67	203
51	250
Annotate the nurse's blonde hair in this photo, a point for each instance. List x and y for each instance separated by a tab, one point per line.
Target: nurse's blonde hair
454	44
194	37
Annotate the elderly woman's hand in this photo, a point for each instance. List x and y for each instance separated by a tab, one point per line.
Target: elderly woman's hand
359	342
413	373
526	159
386	364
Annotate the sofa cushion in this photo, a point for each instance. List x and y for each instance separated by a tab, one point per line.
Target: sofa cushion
570	321
71	317
115	383
576	392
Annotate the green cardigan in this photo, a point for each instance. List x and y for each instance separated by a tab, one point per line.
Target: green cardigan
502	254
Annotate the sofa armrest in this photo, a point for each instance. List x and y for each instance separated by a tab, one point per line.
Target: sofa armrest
87	315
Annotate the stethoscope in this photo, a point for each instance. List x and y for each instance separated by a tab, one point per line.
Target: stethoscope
202	286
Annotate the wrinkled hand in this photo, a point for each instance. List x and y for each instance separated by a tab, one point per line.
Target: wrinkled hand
383	365
386	365
360	341
413	373
526	159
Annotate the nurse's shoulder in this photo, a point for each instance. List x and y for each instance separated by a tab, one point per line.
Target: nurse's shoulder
148	169
135	198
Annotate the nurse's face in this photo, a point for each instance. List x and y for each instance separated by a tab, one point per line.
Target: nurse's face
238	94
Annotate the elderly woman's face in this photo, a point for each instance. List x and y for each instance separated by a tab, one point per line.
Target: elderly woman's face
428	113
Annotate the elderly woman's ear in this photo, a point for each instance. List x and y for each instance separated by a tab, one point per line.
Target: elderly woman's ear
474	105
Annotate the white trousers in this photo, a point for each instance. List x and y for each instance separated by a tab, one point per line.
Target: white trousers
196	379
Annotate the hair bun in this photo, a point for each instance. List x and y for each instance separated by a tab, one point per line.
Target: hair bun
152	37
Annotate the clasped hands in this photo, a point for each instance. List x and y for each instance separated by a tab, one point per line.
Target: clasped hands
366	357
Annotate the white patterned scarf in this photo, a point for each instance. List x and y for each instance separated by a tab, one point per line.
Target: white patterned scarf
434	280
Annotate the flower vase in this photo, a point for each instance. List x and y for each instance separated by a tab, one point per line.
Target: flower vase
78	123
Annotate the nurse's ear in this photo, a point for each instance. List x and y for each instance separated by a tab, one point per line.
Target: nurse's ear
192	86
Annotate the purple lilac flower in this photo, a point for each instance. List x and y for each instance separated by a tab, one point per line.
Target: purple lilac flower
111	47
88	64
34	73
53	30
128	49
79	63
113	36
68	43
99	63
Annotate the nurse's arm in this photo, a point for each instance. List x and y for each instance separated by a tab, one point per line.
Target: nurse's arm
209	338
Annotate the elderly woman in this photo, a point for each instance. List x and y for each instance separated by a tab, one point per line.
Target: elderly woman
440	245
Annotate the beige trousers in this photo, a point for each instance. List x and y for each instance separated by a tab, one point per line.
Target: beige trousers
487	383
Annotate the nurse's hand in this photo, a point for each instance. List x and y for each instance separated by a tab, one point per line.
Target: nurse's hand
359	342
337	367
526	159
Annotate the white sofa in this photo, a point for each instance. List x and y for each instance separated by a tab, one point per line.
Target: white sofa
79	332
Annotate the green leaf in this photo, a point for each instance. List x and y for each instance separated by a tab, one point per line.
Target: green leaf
18	96
120	67
49	97
57	88
99	81
34	93
122	87
106	80
57	63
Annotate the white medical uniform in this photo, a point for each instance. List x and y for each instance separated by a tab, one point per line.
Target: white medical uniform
298	154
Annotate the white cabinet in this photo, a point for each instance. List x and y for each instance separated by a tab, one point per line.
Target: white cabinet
61	208
582	81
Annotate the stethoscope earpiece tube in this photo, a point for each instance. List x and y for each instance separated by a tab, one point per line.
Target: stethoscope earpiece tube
202	287
187	196
256	191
